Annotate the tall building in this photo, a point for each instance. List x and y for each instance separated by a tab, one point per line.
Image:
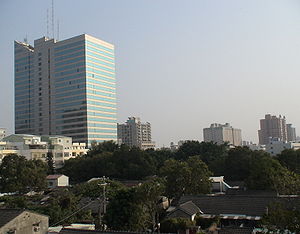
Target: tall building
135	133
291	133
272	127
66	88
221	133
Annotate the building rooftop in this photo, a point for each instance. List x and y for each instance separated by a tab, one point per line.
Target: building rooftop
53	177
6	215
250	205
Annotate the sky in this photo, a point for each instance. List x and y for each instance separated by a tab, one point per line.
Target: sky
180	65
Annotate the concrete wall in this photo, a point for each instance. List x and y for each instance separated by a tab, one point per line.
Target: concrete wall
27	223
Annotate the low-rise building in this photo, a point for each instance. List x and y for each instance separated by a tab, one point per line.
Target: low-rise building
19	221
253	146
38	147
6	148
276	146
54	181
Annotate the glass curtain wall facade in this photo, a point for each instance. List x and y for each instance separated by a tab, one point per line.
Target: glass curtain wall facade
75	89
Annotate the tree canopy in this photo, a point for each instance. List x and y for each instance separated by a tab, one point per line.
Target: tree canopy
20	175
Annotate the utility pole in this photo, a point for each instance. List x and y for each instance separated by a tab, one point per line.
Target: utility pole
103	202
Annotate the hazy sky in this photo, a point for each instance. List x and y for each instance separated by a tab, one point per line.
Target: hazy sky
181	64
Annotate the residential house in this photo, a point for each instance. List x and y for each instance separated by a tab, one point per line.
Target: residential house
18	221
54	181
185	210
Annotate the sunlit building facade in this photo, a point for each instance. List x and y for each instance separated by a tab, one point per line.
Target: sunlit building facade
66	88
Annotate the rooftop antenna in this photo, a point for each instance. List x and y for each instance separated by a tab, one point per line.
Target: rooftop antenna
53	19
48	22
25	39
57	30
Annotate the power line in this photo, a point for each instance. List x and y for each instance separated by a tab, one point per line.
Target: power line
73	213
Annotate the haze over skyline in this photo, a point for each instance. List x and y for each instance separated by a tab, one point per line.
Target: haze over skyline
179	65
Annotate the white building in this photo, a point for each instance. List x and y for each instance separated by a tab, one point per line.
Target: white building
276	146
54	181
37	147
221	133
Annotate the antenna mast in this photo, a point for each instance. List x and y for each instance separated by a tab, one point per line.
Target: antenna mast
57	30
47	22
53	19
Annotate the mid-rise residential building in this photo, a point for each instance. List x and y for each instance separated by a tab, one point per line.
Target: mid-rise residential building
2	133
37	147
221	133
135	133
66	88
276	146
291	133
272	127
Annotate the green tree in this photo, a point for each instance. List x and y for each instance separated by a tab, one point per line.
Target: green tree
267	173
20	175
290	159
281	218
191	177
99	148
175	225
124	212
149	194
94	190
50	163
62	208
237	163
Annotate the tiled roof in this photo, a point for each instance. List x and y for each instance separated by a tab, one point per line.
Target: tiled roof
236	230
252	205
6	215
81	231
53	177
189	208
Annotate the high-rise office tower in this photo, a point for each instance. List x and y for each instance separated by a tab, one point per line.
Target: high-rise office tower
291	133
272	127
221	133
66	88
135	133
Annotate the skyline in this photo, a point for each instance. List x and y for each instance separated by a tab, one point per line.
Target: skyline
246	48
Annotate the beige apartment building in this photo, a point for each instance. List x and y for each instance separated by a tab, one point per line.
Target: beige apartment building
135	133
272	127
221	133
